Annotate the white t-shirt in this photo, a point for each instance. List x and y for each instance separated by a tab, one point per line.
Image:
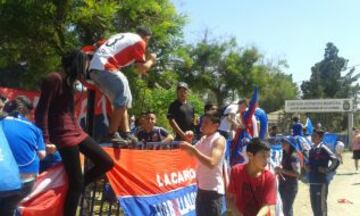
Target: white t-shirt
118	51
225	124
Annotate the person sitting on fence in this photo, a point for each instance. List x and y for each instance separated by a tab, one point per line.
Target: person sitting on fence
119	51
151	133
27	145
55	116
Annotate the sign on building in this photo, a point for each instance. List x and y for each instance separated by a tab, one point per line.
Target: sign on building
319	105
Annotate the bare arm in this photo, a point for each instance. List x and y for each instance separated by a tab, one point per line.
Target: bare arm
168	139
176	128
145	66
215	156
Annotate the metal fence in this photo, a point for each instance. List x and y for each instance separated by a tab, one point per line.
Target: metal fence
98	198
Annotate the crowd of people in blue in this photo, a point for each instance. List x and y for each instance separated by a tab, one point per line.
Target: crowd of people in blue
257	168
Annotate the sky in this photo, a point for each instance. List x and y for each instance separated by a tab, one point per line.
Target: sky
294	30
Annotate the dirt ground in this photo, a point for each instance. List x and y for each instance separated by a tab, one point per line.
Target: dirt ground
345	185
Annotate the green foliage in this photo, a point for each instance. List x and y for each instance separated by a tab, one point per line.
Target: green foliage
39	32
158	100
327	81
222	72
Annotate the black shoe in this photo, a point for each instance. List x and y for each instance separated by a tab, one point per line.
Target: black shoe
116	140
130	138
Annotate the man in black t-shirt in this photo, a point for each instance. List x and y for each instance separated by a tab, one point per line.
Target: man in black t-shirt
181	114
152	133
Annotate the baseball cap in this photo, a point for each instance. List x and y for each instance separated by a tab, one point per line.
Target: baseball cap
182	85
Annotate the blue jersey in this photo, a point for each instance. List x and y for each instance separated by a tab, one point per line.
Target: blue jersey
25	140
297	129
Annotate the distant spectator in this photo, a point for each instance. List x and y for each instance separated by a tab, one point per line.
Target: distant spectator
152	133
3	100
27	145
181	114
297	127
339	149
208	106
355	146
273	131
228	121
289	173
139	123
322	162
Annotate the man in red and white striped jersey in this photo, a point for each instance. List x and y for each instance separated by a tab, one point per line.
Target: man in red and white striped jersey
119	51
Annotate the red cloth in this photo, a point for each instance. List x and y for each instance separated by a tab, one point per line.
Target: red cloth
252	193
48	194
55	113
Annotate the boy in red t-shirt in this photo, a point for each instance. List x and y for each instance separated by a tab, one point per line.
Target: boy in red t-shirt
252	189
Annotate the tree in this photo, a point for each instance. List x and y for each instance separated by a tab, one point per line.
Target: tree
276	87
220	69
327	81
38	33
223	72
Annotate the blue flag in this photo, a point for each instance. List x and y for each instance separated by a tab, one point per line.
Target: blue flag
309	126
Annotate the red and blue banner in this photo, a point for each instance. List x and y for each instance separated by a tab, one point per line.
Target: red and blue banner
159	183
48	195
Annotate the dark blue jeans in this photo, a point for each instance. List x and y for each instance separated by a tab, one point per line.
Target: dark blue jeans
288	191
318	198
10	200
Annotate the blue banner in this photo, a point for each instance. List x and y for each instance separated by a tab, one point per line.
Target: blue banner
178	202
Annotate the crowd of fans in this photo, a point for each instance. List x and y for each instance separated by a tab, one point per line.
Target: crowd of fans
263	181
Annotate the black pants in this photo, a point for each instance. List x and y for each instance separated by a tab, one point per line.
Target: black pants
77	181
9	203
288	191
318	198
208	203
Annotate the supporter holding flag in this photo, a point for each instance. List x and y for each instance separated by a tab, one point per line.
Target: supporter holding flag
27	145
252	188
210	152
245	131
